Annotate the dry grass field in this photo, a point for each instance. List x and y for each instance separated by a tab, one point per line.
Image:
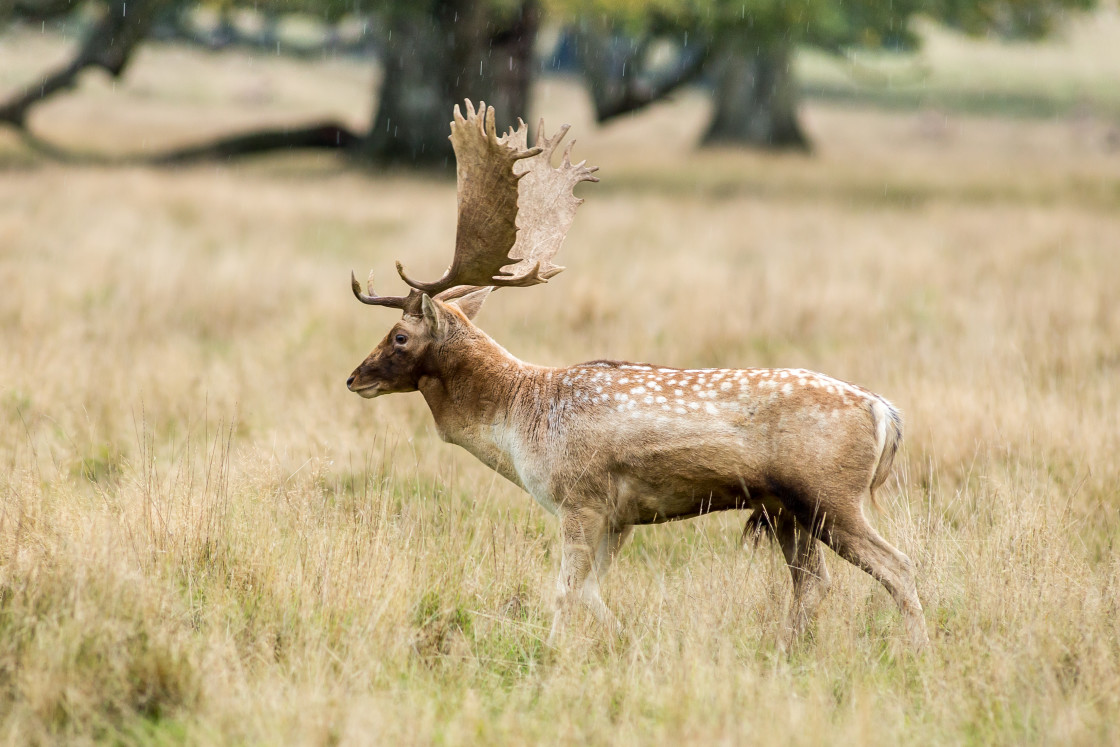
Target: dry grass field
204	538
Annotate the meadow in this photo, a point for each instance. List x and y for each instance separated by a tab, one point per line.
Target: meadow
205	538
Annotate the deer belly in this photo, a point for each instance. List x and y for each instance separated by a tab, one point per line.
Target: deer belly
655	509
667	497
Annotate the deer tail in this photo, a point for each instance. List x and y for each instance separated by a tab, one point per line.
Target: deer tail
888	436
759	524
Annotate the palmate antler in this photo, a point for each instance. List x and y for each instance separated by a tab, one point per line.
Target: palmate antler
514	210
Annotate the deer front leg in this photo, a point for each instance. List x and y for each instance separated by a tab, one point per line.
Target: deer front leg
610	542
582	534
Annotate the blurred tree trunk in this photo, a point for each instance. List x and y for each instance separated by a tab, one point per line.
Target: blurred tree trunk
461	49
755	96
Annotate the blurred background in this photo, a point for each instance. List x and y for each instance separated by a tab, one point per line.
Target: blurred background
374	79
205	538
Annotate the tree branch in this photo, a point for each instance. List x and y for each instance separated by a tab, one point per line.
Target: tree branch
612	67
41	10
327	135
109	46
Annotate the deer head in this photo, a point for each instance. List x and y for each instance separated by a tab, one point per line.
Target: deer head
515	208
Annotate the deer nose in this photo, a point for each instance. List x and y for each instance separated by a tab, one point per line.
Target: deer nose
350	382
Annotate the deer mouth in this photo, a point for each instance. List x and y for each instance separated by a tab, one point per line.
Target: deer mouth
368	391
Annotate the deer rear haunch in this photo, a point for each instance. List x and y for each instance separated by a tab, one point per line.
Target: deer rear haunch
609	445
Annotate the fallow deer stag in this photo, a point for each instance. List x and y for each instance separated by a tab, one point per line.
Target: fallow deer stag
608	445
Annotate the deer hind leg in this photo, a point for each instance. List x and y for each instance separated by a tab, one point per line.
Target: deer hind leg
855	540
583	535
805	558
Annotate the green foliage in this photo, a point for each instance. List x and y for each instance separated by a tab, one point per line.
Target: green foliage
328	10
333	10
1013	19
829	24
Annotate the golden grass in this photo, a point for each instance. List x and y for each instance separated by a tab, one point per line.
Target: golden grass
205	538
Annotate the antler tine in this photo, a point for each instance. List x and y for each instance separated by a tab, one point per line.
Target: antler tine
489	128
393	302
584	172
549	144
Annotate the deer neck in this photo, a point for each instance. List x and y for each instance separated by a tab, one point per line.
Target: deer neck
475	389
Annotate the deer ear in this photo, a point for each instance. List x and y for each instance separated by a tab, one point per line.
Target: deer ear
430	313
471	303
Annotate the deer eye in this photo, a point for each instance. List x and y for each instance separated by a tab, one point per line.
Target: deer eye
400	339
